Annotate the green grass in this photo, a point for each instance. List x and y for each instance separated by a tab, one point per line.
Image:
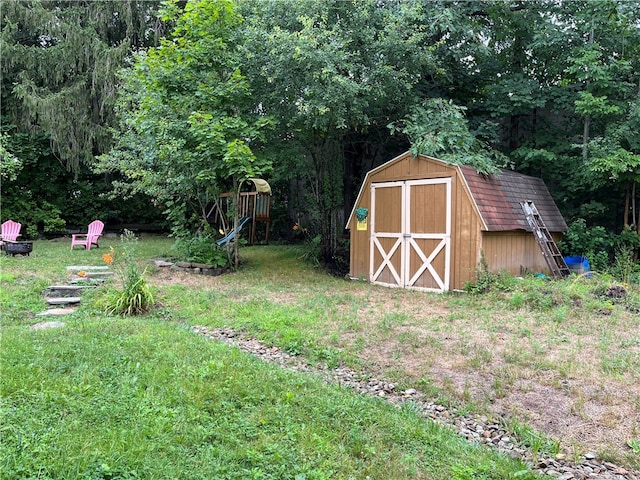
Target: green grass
124	398
147	398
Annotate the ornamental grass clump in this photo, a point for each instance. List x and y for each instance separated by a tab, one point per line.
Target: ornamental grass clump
131	295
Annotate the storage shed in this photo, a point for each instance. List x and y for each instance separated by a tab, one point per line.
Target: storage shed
423	223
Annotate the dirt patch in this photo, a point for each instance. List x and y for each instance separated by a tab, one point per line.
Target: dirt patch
546	376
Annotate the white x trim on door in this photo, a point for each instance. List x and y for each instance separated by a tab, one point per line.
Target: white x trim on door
407	240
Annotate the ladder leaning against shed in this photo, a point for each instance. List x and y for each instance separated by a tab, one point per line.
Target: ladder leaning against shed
550	250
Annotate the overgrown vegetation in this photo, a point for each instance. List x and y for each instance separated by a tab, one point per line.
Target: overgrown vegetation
601	247
617	283
200	248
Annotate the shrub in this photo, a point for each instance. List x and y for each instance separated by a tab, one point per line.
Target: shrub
581	240
132	295
487	281
624	267
311	252
600	246
200	248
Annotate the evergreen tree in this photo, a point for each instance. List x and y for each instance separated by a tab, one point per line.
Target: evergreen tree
59	63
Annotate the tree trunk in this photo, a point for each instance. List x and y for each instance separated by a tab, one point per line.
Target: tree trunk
236	219
585	136
627	206
637	221
587	118
326	155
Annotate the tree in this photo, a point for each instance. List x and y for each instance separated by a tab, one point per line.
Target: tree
59	60
440	129
57	93
186	118
327	71
606	68
615	157
10	165
559	81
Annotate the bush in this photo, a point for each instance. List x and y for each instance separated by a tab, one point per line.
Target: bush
600	246
624	268
37	217
581	240
201	248
487	281
132	296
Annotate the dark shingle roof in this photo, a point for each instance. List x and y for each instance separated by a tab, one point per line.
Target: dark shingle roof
498	199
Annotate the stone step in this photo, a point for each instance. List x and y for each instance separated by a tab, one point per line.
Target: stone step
65	290
90	282
54	312
87	268
46	325
89	274
162	263
63	300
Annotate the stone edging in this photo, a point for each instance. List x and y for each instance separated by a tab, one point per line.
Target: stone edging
480	430
191	267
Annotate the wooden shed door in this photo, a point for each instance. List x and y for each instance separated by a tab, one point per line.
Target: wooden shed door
411	234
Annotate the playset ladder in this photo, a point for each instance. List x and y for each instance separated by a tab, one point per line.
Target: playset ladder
550	251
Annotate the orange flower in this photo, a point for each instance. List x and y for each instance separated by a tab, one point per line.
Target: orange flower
296	227
82	273
108	259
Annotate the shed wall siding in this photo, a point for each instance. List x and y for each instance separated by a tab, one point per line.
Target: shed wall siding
359	254
513	252
409	168
467	238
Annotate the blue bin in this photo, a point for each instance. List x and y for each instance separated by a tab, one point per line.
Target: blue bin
578	265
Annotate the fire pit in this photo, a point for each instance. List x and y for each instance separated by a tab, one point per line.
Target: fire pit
18	248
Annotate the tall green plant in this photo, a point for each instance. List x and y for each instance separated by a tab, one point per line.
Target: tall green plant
131	295
624	267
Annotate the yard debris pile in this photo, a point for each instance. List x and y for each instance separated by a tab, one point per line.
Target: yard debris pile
616	291
481	430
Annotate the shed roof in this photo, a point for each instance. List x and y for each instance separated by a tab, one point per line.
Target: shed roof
497	197
498	200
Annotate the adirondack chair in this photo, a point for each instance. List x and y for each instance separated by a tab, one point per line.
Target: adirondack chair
10	231
85	240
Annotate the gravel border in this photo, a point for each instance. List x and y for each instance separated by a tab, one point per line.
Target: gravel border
475	429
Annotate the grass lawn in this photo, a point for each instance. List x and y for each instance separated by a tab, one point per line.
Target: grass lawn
119	398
